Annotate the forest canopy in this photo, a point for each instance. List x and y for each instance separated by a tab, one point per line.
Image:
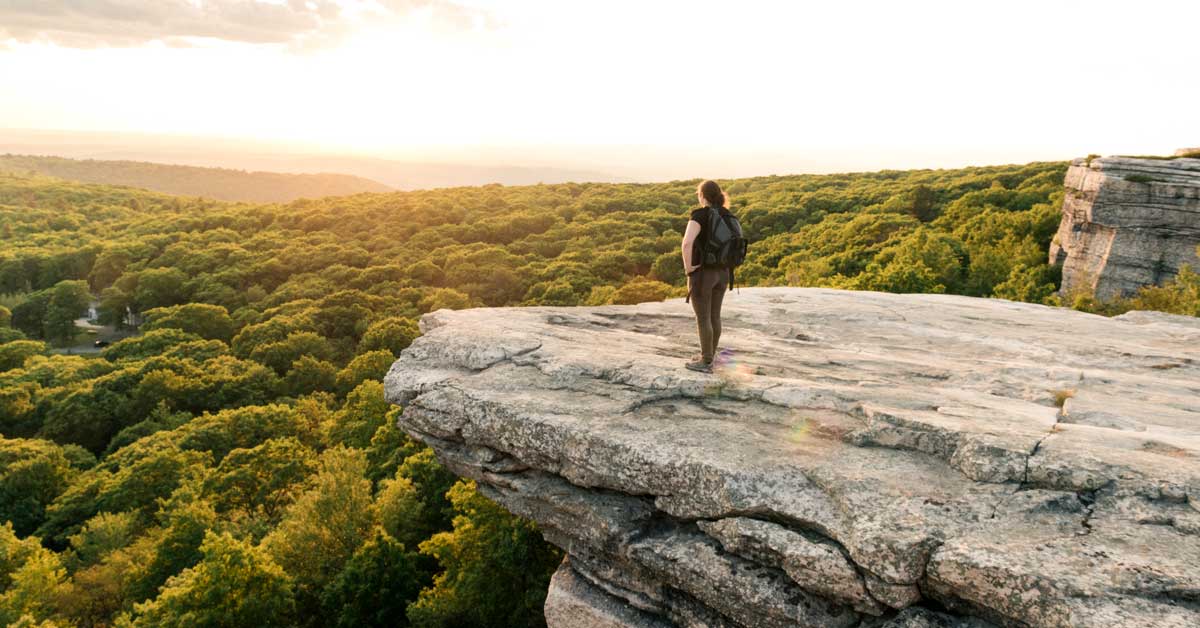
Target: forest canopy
233	462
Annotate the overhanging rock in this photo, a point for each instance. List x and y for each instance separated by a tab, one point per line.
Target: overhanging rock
860	459
1127	223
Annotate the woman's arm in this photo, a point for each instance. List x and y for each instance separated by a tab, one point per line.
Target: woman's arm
689	240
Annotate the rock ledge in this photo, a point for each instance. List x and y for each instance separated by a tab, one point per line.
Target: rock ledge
1127	222
860	459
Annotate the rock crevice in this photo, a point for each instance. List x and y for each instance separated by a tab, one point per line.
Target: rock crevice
914	462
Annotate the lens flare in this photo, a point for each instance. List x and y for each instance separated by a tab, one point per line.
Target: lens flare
730	369
801	431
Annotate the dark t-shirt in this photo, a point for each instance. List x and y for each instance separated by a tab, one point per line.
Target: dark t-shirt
703	216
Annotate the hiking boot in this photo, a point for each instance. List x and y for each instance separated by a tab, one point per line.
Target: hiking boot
699	365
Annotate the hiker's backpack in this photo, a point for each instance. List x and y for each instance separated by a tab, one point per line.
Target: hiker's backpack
725	246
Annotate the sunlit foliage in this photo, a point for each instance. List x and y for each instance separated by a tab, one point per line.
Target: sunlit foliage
233	462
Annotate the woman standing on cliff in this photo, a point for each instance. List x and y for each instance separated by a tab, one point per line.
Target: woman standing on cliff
712	246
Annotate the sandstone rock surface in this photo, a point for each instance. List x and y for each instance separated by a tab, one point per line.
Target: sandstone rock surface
1127	223
859	459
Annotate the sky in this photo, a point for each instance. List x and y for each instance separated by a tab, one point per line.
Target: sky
653	87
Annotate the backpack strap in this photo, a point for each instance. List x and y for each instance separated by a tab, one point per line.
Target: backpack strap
710	224
713	217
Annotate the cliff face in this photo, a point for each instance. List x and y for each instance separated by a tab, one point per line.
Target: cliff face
1127	223
859	459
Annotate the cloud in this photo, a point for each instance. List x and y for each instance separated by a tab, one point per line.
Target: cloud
298	23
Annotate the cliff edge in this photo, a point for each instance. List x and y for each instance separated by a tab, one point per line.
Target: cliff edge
859	459
1127	222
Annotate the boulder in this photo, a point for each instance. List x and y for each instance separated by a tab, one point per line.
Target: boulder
856	459
1127	223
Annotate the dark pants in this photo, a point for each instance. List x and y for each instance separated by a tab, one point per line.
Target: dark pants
707	287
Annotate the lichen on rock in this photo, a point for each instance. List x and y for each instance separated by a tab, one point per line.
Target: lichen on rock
858	459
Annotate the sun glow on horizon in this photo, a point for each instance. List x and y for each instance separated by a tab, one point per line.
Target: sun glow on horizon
875	82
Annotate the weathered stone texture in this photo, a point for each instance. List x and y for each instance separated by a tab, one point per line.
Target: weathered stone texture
859	459
576	602
1127	223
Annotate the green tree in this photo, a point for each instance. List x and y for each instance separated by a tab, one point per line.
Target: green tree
372	365
922	261
235	584
97	592
446	298
115	306
308	375
17	409
31	578
1030	284
601	295
488	274
102	535
904	278
219	433
323	528
1181	295
262	479
641	290
160	287
362	415
185	521
280	355
556	292
211	322
161	418
150	474
68	301
668	268
496	568
109	266
32	474
921	202
13	354
389	448
274	329
29	316
149	344
375	588
414	504
425	272
392	334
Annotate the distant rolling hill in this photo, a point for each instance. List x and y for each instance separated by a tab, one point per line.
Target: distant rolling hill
412	172
415	175
217	183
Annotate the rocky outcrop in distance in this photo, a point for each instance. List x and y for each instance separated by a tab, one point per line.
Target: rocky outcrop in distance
857	459
1127	222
